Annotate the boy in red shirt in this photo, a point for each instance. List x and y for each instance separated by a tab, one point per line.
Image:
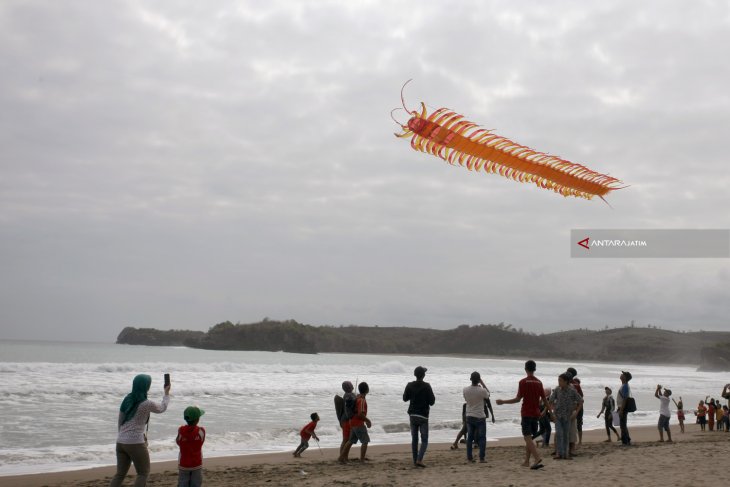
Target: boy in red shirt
190	439
306	433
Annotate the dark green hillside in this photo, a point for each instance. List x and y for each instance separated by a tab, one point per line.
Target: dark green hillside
630	344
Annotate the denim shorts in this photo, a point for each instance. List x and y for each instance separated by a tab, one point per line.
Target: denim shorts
663	422
359	433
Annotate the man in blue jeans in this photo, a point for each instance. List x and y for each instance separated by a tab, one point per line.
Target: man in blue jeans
476	420
421	398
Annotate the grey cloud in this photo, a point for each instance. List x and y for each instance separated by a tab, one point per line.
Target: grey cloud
182	163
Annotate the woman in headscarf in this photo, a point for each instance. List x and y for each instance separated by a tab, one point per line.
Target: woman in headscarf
134	414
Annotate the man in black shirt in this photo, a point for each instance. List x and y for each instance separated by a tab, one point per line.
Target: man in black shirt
420	394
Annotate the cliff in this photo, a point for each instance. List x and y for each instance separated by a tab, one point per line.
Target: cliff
629	345
150	336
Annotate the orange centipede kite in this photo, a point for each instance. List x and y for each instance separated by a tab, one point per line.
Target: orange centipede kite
457	141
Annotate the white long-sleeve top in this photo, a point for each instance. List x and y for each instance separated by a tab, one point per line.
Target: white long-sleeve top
132	432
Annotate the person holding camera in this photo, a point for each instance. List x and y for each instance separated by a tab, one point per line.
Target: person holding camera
134	415
664	412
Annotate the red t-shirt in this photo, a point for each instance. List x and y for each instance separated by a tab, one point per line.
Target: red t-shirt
190	439
576	384
701	411
307	431
530	390
361	406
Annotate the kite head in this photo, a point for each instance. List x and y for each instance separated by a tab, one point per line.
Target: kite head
415	123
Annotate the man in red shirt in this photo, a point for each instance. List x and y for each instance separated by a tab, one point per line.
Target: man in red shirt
529	391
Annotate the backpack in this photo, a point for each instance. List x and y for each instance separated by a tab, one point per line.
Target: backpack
350	409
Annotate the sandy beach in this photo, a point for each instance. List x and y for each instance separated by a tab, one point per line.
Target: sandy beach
692	459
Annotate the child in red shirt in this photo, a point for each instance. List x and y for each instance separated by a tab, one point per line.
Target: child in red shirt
306	433
190	439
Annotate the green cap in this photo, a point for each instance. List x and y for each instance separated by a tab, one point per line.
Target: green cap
192	413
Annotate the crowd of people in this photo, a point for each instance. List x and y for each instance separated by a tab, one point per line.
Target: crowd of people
541	407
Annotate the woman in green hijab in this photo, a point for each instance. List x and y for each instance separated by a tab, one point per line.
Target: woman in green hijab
134	414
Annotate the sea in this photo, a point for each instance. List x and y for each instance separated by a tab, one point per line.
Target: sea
59	401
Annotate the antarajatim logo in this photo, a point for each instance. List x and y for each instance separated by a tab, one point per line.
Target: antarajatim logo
585	243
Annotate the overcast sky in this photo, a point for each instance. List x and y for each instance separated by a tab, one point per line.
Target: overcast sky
178	164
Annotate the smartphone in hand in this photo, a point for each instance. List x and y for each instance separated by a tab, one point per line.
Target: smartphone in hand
167	380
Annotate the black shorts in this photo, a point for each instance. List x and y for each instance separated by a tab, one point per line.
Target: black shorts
530	425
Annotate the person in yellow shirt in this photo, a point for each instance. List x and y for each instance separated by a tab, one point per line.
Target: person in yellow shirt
719	414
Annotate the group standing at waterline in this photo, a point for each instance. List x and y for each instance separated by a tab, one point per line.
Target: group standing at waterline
562	405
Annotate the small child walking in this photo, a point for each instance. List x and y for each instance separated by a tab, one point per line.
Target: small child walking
190	439
306	433
664	412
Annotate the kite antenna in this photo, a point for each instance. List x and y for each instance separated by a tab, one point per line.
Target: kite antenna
396	121
401	95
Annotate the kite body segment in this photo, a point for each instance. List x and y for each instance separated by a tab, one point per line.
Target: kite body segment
447	135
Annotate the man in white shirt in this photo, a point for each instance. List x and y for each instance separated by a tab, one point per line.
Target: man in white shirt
476	421
664	412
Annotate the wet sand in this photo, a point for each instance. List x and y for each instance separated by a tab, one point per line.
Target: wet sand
693	458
